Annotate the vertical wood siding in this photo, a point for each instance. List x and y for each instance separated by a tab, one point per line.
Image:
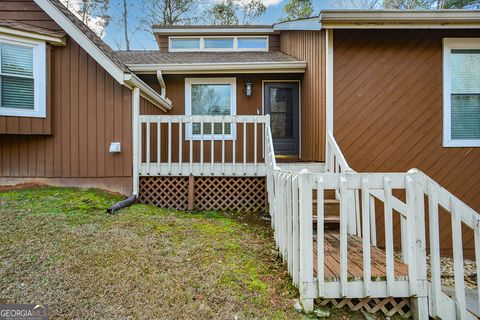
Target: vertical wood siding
310	46
27	11
89	110
388	110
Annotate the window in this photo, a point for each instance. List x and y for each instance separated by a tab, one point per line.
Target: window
219	43
461	92
252	43
185	43
210	97
22	78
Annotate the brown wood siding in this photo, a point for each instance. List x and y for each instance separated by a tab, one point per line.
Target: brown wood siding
388	110
309	46
274	42
27	11
89	110
27	125
162	42
245	106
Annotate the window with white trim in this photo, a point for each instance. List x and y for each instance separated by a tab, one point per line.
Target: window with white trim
461	92
210	97
218	43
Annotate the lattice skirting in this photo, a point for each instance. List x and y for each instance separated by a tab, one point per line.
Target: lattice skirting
388	306
246	194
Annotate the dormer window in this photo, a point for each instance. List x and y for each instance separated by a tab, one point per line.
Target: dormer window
218	43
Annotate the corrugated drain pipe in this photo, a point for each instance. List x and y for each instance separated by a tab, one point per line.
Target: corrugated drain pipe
122	204
135	115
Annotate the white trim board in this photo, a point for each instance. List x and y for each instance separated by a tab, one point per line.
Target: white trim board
448	45
56	41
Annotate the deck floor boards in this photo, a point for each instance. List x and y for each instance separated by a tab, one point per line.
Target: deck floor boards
355	259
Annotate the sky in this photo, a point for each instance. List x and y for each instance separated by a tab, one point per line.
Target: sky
144	40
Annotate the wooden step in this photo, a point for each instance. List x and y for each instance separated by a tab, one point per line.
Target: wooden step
331	211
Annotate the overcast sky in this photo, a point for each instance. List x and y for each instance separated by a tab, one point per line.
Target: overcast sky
144	40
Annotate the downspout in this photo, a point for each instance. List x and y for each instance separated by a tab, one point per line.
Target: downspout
135	154
163	87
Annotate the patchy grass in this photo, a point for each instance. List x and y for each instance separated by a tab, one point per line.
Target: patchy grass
59	247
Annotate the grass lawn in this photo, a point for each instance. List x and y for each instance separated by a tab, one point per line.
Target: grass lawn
59	247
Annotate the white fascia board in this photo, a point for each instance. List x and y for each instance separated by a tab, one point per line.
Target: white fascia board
214	31
147	92
57	41
115	71
378	19
312	24
255	67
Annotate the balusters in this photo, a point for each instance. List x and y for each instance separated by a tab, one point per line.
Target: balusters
148	145
159	144
458	259
201	145
412	243
388	213
255	144
191	145
244	146
434	248
170	145
180	144
212	145
343	236
320	237
367	273
223	145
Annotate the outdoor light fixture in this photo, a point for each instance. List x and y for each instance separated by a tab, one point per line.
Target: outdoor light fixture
248	88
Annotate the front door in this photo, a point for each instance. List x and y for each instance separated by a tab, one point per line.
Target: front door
281	102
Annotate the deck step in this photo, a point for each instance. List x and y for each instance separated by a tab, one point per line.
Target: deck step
331	211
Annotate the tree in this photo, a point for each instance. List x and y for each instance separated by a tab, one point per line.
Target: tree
233	12
359	4
297	9
167	12
431	4
94	13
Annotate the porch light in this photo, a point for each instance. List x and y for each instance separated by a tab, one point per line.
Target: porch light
248	88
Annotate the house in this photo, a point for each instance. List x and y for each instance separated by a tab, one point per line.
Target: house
271	116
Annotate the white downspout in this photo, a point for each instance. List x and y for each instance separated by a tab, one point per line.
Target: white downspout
135	142
163	86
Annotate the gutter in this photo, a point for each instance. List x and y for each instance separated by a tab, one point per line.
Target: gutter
147	92
293	66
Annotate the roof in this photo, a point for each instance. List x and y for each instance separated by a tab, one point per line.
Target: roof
212	29
29	28
211	26
211	62
99	43
99	50
157	57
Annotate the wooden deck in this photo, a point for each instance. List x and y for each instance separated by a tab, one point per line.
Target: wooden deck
355	260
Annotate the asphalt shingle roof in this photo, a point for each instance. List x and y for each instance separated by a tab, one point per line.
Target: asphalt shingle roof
157	57
29	28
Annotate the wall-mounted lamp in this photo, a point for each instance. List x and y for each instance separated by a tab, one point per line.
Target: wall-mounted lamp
248	88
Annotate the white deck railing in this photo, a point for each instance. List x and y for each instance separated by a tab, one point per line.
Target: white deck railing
186	145
290	199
